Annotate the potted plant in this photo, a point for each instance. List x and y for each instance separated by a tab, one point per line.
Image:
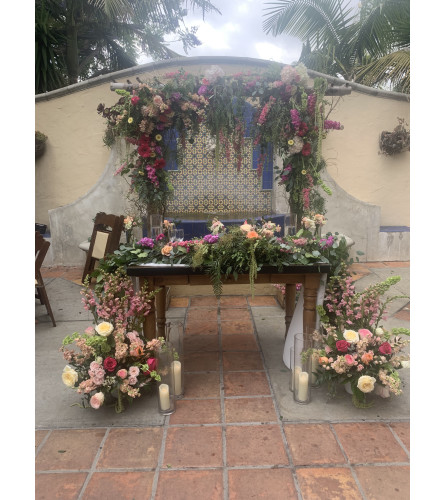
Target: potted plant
41	139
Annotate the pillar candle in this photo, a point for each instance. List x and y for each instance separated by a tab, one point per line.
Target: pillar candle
303	381
176	365
314	367
297	371
164	397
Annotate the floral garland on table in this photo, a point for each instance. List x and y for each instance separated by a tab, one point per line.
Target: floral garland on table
114	363
354	348
285	112
232	251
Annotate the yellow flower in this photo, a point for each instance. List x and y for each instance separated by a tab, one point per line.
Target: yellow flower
290	142
366	383
152	155
140	172
130	120
158	137
304	172
69	376
104	329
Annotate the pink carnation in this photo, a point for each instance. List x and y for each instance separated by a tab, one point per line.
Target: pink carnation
133	371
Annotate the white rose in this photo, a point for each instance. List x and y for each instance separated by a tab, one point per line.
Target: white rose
351	336
379	331
405	363
69	376
104	329
366	383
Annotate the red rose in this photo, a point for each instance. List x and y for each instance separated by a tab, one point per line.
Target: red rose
110	364
134	99
306	151
385	348
342	345
152	364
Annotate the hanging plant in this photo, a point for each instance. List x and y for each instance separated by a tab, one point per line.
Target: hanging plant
397	141
40	143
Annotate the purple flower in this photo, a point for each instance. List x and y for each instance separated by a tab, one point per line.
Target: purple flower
331	125
202	90
175	96
146	242
295	118
327	242
211	238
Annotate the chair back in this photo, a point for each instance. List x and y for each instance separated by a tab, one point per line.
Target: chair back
105	239
41	249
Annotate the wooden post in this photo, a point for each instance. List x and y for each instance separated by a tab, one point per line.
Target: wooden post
160	310
311	284
150	320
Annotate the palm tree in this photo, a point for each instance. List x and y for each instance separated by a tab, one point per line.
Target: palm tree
369	46
80	39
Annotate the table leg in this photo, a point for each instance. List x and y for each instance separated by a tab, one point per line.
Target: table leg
149	326
311	284
291	293
160	310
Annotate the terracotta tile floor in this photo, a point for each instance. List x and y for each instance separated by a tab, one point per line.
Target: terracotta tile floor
225	441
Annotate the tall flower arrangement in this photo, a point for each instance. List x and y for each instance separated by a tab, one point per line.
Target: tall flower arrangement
353	347
112	362
277	106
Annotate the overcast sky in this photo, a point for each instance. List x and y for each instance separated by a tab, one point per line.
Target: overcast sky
238	32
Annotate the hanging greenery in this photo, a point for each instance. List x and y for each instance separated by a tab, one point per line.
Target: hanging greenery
274	107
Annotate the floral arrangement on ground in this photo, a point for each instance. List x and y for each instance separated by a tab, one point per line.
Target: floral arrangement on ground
352	346
279	106
113	362
235	250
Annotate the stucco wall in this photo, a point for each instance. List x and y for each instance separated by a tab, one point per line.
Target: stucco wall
75	156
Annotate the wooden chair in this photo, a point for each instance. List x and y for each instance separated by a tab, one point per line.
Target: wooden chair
104	240
42	247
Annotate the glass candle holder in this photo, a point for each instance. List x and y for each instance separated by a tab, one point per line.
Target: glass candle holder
175	336
155	220
302	369
166	384
156	231
292	369
314	366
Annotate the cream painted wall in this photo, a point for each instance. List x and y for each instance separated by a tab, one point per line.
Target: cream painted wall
76	157
353	159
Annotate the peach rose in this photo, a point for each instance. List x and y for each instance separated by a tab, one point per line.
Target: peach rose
367	357
252	234
97	400
323	360
246	227
166	250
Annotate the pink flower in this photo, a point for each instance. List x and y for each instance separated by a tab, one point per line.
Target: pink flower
90	331
134	99
349	359
122	373
364	333
327	349
133	371
152	364
97	400
360	368
132	380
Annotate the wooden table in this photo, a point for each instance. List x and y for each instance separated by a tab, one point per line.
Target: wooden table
160	277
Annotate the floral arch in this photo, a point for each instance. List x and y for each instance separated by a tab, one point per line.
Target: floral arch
275	107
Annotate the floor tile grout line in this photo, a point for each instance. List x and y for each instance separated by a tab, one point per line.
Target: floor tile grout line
222	405
348	462
92	469
44	440
279	419
154	485
397	438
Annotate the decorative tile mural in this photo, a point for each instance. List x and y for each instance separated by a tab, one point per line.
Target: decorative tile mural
202	187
